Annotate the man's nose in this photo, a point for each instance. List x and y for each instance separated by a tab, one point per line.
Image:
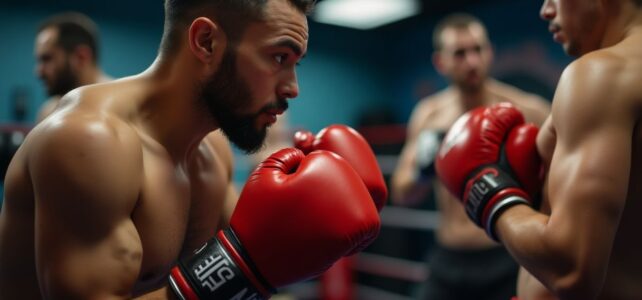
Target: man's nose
473	58
547	12
289	87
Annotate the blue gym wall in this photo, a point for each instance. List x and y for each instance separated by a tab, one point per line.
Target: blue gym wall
336	81
346	73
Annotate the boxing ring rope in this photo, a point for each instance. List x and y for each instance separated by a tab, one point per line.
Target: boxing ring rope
409	218
387	266
382	265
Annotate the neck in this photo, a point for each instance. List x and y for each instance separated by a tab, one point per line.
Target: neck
626	20
92	74
470	99
172	113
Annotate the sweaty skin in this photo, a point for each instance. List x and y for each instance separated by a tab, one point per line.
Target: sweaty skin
584	243
127	176
106	191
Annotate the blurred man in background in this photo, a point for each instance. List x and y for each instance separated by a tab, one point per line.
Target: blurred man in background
66	51
67	54
465	263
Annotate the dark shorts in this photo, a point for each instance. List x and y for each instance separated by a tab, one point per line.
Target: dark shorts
489	274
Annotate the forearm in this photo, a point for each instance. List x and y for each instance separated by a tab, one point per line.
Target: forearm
408	189
406	186
545	252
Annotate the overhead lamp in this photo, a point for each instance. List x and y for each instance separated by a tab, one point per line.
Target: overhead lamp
364	14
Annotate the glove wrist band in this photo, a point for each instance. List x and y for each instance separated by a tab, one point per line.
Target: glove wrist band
213	273
490	192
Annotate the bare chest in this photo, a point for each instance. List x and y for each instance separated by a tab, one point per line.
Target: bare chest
178	210
442	120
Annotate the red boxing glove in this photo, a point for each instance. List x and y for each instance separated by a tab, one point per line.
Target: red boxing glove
489	160
293	220
350	145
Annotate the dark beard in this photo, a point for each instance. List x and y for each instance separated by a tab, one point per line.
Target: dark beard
64	82
224	95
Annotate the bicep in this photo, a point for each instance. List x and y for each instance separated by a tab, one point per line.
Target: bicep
569	249
588	181
589	172
85	188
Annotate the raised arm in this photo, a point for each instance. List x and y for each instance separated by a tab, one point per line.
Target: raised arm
86	175
569	250
405	187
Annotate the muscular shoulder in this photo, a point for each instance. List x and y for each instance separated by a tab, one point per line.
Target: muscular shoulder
434	104
598	88
83	146
602	76
534	107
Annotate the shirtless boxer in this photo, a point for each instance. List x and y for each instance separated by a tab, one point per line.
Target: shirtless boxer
583	241
67	55
463	54
125	191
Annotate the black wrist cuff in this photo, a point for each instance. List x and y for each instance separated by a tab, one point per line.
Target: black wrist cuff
213	274
480	189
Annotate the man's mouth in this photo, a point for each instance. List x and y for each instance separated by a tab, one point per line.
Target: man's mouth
274	111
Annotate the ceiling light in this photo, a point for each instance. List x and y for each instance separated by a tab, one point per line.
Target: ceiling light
364	14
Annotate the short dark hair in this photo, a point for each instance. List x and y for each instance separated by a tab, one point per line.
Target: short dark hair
232	15
74	29
638	3
457	21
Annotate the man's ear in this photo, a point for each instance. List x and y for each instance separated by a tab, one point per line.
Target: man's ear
438	63
207	40
81	55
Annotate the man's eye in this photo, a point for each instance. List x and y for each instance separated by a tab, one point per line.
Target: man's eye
44	58
280	58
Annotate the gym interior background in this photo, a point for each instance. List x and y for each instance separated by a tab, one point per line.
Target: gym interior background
368	79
